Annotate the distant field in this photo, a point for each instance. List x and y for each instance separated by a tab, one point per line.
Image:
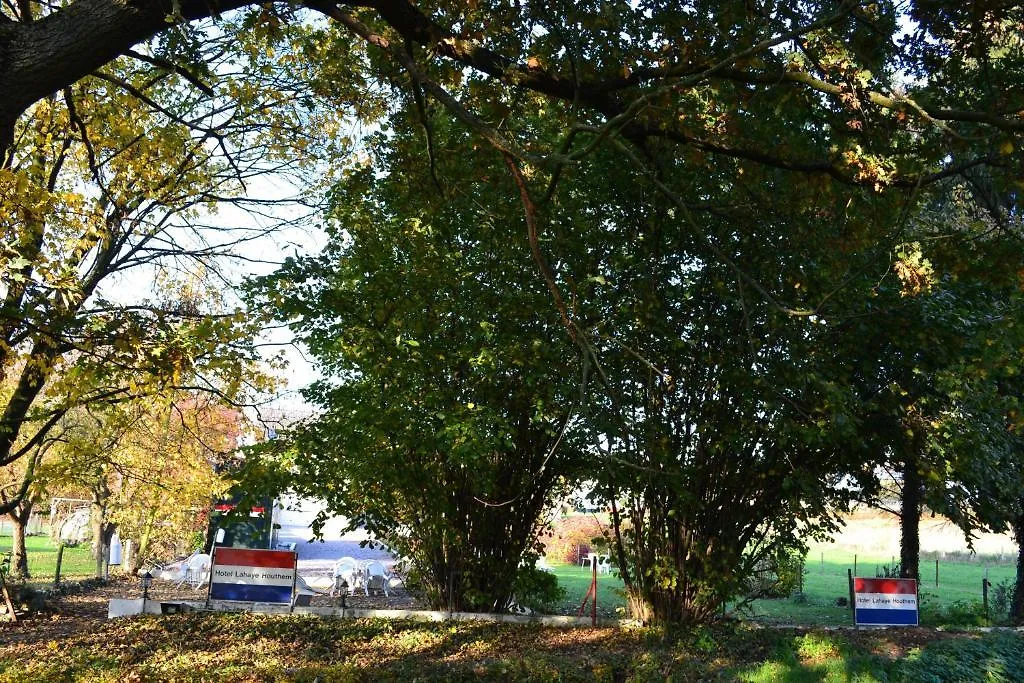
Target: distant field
878	534
77	562
872	541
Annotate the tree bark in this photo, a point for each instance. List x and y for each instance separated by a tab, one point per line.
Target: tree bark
40	57
19	555
1017	606
910	519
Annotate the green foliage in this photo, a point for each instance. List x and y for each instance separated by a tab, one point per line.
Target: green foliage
1001	596
445	427
992	657
537	590
957	613
758	222
888	571
777	576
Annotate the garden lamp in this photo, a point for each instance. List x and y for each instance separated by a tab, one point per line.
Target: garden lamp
147	581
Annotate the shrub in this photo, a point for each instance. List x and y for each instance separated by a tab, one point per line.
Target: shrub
569	533
537	590
889	572
960	613
1000	598
776	576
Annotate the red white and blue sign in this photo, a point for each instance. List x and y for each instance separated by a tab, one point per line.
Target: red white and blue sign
244	575
885	602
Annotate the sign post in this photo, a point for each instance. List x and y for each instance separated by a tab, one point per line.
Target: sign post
244	575
885	602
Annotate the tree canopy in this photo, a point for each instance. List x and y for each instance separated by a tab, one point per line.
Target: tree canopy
722	202
871	93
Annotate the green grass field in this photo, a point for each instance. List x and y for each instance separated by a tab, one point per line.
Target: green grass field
77	562
576	582
959	588
825	580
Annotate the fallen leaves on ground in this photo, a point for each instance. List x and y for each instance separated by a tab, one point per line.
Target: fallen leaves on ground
77	642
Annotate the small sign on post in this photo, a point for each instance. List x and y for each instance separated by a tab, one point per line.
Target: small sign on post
244	575
885	602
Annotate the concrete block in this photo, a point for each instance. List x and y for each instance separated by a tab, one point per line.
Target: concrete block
127	608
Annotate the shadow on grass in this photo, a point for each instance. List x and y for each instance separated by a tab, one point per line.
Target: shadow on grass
253	647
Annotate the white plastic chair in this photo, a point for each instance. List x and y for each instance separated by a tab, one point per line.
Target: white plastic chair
604	564
376	578
347	571
197	570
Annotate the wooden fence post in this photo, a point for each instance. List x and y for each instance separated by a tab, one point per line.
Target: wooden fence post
984	596
853	597
60	558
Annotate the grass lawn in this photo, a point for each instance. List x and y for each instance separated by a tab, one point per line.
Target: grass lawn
77	562
959	590
249	647
576	582
956	600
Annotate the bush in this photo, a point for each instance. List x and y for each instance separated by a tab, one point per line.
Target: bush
537	590
960	613
776	576
887	572
1000	598
569	533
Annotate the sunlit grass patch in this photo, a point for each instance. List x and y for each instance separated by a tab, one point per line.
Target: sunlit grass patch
814	648
246	647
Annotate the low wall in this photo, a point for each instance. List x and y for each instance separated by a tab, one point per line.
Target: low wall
123	608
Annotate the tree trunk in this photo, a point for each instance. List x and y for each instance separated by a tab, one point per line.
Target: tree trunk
129	558
20	517
910	520
1017	607
19	555
102	530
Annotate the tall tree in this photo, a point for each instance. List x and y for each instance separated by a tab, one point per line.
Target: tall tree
107	196
147	466
446	422
925	357
721	432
